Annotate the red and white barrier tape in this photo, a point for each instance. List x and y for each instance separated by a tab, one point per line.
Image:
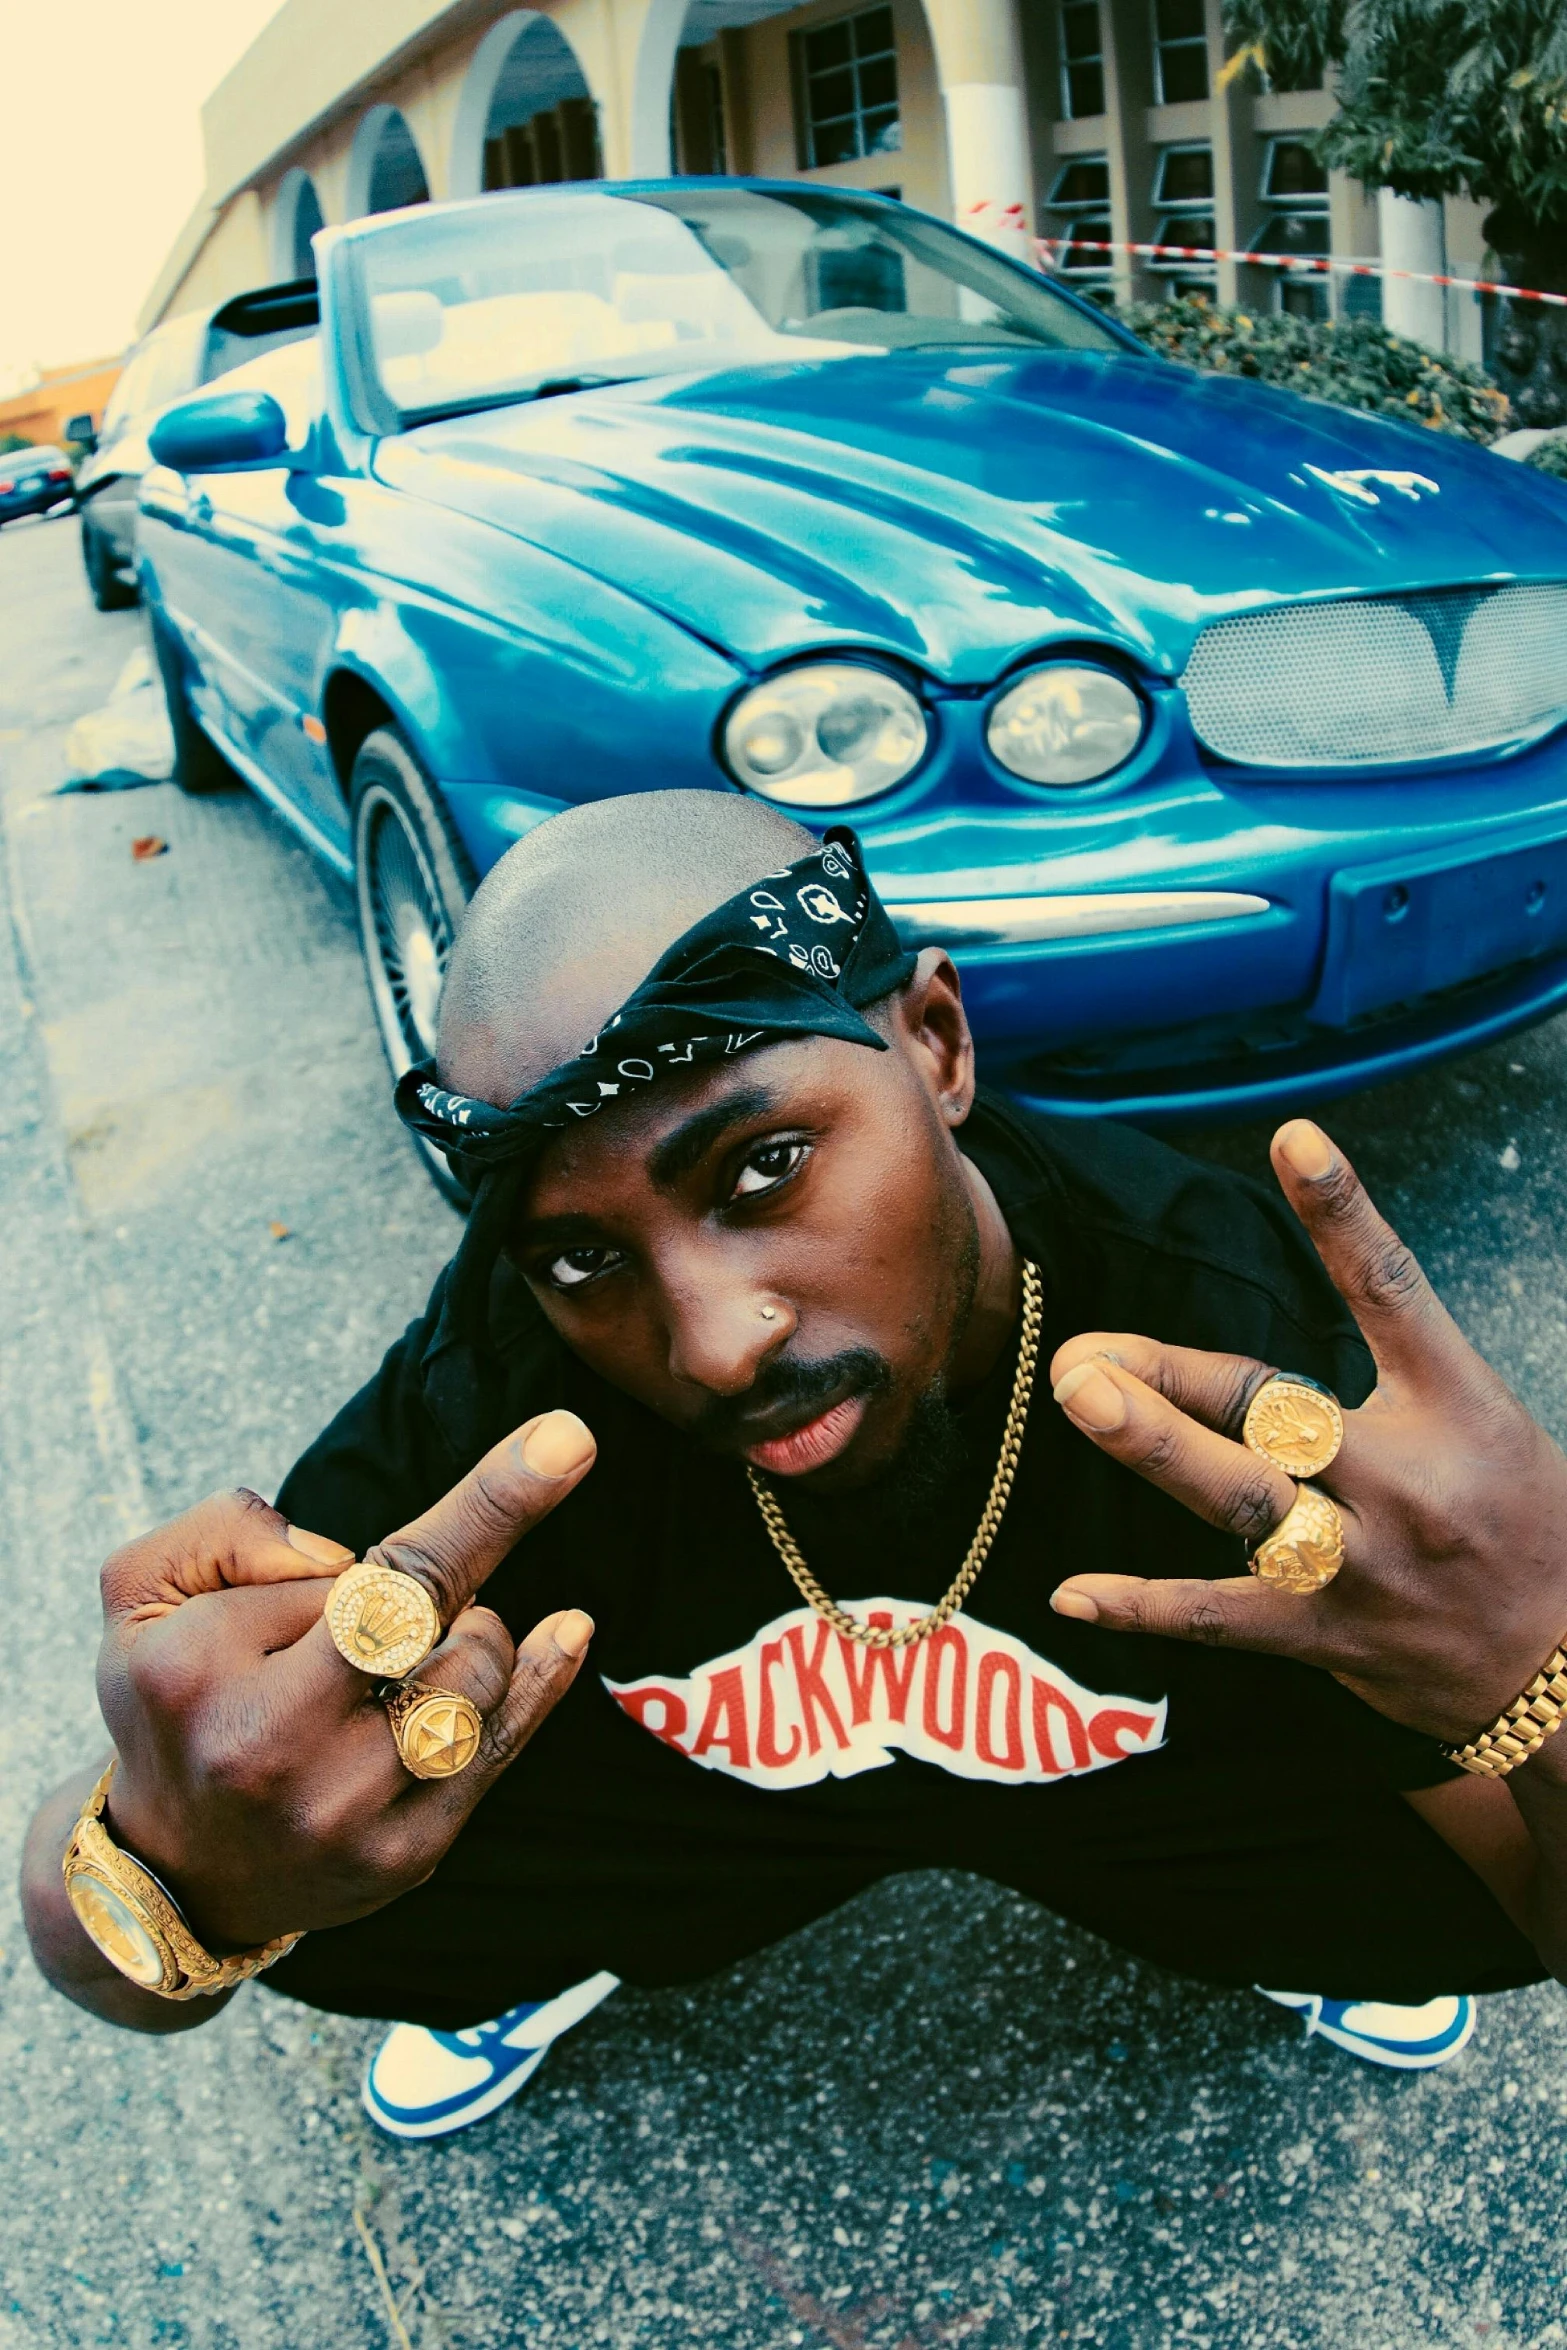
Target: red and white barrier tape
1051	249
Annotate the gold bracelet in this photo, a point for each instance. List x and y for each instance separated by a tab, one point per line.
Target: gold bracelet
1522	1728
137	1925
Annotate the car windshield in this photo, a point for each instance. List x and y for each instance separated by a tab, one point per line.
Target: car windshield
522	296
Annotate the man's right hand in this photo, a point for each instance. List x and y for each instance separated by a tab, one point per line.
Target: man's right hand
258	1776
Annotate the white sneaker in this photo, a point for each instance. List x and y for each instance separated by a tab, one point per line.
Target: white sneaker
421	2084
1410	2038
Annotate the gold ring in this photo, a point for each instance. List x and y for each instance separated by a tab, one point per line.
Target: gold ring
1294	1423
1306	1548
437	1730
381	1621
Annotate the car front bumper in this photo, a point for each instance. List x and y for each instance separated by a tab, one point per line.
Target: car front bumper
1220	945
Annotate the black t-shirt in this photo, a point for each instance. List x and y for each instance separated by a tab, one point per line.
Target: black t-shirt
720	1722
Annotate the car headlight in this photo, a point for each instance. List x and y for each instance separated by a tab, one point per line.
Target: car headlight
826	735
1065	723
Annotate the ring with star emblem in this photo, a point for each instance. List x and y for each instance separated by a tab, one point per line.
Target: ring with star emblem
1295	1424
437	1730
381	1621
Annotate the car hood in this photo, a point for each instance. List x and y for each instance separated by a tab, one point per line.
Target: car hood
954	511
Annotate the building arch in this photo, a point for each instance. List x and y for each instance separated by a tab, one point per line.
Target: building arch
527	114
296	216
385	168
651	157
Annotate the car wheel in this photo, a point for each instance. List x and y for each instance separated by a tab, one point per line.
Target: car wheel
199	766
108	591
413	877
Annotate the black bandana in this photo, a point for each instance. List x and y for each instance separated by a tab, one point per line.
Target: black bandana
796	954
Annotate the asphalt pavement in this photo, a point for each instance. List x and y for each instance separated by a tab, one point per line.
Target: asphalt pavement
939	2117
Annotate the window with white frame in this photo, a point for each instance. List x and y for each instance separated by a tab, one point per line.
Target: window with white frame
1183	204
1082	60
1077	218
847	79
1180	45
1295	223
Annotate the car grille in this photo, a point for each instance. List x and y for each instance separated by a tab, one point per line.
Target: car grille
1376	680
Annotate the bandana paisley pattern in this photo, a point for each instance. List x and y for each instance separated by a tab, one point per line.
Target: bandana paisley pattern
795	954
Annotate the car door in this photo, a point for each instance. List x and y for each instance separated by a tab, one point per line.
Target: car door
268	541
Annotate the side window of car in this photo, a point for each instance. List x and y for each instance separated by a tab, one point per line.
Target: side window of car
175	352
126	400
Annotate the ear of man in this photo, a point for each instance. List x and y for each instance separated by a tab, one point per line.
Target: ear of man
927	1023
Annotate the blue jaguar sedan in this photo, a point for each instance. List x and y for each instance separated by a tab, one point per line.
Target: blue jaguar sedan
1221	734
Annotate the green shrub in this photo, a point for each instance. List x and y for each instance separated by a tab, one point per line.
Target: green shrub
1549	457
1357	364
11	441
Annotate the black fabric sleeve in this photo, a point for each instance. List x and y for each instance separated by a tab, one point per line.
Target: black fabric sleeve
382	1460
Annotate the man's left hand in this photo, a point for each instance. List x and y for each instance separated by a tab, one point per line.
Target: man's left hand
1454	1585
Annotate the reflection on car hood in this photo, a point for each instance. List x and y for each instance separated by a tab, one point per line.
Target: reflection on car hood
955	509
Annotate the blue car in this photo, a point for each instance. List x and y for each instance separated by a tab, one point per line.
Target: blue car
33	481
1219	733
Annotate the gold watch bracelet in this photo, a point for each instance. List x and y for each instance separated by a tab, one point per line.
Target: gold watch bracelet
196	1973
1521	1728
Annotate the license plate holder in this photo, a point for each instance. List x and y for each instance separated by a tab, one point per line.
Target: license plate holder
1407	929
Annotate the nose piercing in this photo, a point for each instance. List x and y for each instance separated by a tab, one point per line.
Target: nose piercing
769	1313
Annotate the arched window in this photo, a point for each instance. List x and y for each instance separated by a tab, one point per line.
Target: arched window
307	219
384	170
681	102
296	216
527	116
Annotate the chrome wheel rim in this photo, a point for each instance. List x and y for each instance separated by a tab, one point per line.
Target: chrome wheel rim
407	936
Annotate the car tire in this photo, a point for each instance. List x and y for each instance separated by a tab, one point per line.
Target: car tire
104	584
412	879
199	766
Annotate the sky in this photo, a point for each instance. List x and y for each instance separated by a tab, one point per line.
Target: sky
100	163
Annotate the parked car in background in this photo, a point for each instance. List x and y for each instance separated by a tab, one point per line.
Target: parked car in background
173	360
33	481
1222	735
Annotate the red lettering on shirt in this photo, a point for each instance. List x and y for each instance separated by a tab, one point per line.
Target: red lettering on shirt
770	1755
1106	1727
949	1641
812	1687
995	1665
1049	1701
797	1704
724	1723
895	1665
641	1702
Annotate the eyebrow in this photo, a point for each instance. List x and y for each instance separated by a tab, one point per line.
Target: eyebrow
691	1141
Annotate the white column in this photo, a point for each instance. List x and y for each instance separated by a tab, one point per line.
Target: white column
1412	237
987	148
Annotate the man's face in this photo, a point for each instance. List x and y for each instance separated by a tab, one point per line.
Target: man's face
777	1256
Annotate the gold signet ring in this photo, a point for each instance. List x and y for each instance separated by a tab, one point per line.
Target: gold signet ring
1295	1424
381	1621
1306	1548
437	1730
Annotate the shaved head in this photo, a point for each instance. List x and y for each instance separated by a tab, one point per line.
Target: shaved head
576	915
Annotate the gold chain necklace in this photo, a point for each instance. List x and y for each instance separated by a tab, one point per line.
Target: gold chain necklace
881	1635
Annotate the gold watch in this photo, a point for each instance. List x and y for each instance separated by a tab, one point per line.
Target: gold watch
125	1913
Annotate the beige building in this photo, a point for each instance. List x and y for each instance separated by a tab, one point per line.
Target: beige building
1083	122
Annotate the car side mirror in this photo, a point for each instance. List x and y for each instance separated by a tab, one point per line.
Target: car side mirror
78	430
223	432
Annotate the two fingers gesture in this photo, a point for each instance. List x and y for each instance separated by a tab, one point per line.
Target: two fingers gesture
1454	1501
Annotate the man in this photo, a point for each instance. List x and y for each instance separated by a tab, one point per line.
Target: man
733	1377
